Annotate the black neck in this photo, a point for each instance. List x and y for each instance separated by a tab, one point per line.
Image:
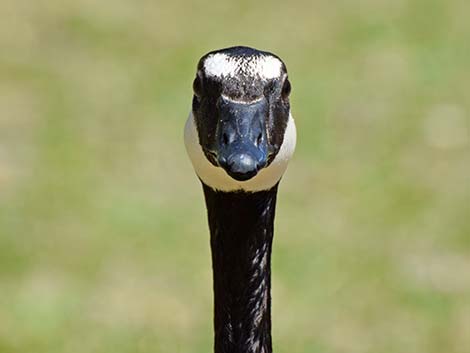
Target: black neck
241	227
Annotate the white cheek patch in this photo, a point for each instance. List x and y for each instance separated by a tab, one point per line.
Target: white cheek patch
222	65
218	179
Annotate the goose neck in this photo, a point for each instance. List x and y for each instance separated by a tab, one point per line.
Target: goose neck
241	229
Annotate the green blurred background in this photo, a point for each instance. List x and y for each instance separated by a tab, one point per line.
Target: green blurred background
103	236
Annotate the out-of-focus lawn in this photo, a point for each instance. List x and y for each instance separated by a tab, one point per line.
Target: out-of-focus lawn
103	236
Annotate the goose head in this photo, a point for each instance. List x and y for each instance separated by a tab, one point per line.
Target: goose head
240	133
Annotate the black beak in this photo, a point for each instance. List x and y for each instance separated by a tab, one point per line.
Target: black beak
241	137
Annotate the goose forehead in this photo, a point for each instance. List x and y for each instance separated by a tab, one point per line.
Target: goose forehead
222	65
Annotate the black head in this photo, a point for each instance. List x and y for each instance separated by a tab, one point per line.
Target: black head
241	109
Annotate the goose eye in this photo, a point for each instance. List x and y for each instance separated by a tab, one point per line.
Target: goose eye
197	86
286	88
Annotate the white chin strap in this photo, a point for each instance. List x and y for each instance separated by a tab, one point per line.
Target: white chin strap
218	179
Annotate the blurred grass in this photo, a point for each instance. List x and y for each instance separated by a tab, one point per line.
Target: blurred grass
103	237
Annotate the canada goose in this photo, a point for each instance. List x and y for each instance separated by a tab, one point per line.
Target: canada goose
240	136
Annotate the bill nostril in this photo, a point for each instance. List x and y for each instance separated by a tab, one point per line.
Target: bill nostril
225	138
259	139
